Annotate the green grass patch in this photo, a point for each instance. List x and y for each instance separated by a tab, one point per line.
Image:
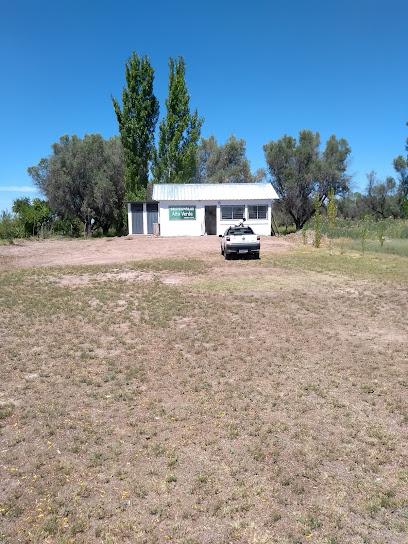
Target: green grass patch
348	228
388	236
159	304
297	279
393	246
382	267
191	266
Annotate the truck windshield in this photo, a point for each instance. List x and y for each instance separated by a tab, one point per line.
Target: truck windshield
243	230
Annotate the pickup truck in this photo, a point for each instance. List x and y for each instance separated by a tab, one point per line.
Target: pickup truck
240	241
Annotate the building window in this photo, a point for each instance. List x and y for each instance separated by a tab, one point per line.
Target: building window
257	212
232	212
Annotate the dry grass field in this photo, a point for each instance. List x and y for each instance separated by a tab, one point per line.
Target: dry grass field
153	392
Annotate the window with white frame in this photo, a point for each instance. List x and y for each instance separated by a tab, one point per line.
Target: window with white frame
232	212
257	212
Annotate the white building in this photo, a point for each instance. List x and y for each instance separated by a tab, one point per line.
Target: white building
203	208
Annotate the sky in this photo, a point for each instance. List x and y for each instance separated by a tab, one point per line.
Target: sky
258	70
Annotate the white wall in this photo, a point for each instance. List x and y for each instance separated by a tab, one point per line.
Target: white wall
189	227
259	226
184	227
129	213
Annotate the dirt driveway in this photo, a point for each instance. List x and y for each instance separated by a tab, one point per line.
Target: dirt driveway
34	253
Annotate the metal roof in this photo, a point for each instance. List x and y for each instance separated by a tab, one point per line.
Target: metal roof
213	191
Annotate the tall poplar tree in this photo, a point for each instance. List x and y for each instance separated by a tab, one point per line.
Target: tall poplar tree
137	122
179	131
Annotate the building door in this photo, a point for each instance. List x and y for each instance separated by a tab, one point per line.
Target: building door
211	219
137	218
152	216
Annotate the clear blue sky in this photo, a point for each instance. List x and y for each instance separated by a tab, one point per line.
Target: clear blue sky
257	69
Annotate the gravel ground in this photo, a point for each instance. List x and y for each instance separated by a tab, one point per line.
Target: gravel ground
34	253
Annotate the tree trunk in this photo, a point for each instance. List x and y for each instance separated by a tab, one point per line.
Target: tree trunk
87	229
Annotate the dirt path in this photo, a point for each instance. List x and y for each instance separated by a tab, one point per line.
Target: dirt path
34	253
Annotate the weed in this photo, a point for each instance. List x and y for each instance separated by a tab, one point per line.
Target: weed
367	389
6	410
317	221
331	214
258	454
139	491
131	373
159	450
78	525
274	517
202	479
172	462
51	525
313	523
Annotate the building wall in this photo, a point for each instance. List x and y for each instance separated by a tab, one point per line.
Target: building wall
144	218
182	227
196	227
259	226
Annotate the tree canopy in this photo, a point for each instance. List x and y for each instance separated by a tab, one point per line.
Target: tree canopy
401	167
226	163
32	215
137	122
83	178
179	131
380	199
299	170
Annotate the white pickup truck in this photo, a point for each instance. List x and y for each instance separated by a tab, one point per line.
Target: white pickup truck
240	241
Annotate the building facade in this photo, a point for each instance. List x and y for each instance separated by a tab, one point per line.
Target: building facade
203	209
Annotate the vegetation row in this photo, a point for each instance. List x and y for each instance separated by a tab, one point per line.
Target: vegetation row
86	181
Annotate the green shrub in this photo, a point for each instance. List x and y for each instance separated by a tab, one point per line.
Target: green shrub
9	227
349	228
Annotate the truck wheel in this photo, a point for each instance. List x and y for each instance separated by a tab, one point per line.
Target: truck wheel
222	251
226	256
257	255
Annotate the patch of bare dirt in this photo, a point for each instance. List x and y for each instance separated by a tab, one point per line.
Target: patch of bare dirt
35	253
260	294
68	280
174	280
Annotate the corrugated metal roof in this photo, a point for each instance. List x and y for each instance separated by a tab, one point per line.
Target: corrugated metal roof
213	191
